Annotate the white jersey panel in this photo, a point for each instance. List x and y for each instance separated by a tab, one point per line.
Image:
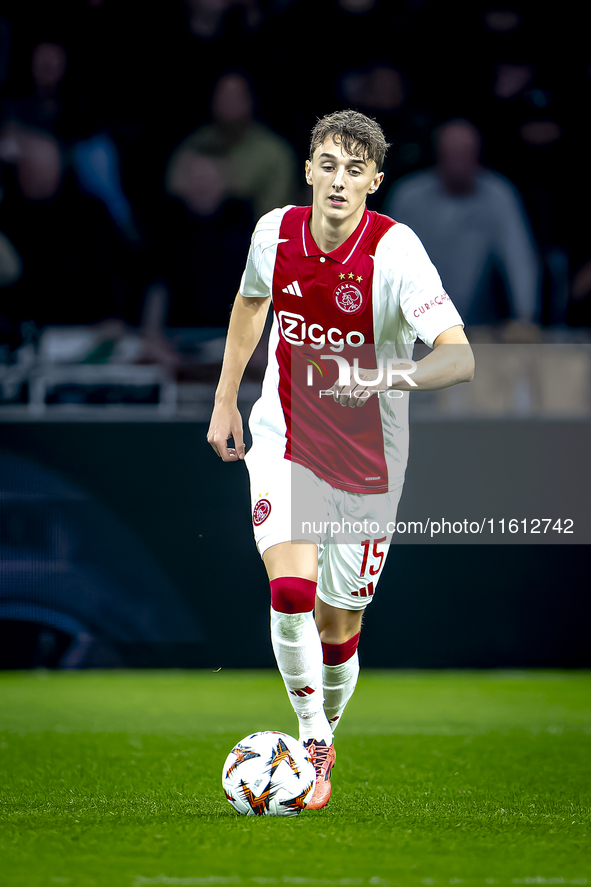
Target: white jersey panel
409	299
267	421
257	279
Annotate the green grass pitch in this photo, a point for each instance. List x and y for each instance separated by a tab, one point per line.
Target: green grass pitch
441	778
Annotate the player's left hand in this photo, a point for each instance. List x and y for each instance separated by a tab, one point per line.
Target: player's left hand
356	394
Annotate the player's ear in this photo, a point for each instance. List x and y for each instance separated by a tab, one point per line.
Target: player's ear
308	172
377	181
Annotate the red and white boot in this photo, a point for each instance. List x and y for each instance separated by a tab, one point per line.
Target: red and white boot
323	757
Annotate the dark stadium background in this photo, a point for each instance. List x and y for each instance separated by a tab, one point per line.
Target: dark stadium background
127	543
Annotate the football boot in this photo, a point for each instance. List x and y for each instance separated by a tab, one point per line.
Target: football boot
323	757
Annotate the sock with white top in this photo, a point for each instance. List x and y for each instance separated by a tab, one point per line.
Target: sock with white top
340	671
298	651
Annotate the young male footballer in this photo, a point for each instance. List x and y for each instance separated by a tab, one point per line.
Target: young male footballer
351	291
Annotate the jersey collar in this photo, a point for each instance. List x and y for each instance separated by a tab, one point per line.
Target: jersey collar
342	253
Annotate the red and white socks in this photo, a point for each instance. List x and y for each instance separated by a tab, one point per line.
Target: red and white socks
298	651
339	677
319	678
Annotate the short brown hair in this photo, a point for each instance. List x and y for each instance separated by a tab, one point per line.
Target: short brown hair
352	131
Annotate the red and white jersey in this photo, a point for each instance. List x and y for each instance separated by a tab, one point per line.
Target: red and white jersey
369	299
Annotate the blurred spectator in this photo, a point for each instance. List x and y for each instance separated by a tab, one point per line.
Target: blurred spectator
525	120
198	181
218	35
65	239
382	91
203	242
579	309
352	33
5	48
11	266
95	157
43	106
258	165
219	180
96	162
524	108
473	226
209	18
380	88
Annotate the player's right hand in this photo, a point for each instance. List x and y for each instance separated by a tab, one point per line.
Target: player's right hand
357	394
226	424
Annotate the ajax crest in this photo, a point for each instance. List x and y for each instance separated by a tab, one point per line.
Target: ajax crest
348	298
261	512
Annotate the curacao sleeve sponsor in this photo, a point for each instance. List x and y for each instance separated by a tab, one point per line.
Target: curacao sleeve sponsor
426	306
257	279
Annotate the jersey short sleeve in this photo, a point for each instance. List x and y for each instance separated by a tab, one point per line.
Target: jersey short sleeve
426	308
257	279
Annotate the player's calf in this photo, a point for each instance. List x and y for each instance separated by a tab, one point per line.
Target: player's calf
339	676
298	651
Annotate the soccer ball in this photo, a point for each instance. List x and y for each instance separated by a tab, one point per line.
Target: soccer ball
269	774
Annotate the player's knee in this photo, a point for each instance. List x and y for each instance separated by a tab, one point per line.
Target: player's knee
291	594
336	654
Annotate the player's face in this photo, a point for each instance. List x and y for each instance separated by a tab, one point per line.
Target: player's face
340	181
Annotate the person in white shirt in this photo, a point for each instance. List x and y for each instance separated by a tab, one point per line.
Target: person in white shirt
472	223
350	288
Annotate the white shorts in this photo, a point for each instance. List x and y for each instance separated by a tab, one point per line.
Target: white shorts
352	530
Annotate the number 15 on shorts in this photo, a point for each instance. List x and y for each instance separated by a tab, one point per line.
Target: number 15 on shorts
371	563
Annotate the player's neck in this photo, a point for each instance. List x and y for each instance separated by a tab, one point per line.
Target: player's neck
328	233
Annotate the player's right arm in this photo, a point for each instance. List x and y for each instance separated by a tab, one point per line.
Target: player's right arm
247	322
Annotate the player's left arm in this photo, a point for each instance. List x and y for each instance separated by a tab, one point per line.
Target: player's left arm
450	362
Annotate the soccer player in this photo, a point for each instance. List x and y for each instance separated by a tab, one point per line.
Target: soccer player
351	291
